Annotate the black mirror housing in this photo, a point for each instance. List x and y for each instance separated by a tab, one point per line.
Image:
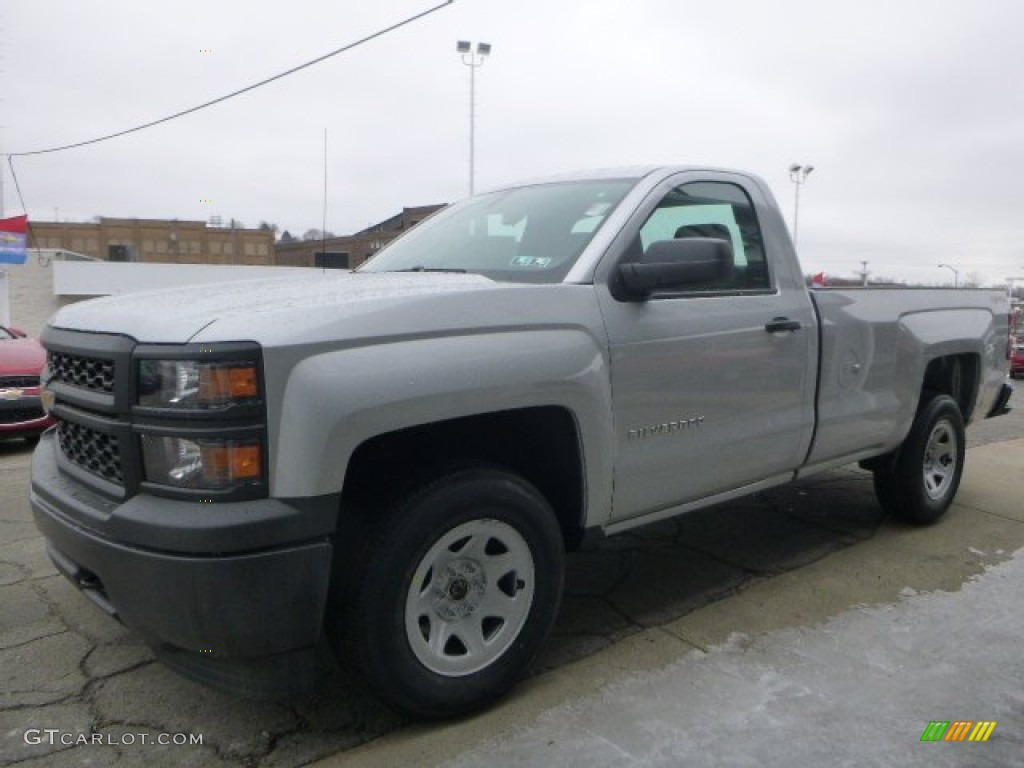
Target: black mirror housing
677	265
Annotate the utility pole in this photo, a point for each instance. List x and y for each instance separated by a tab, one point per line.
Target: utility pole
864	273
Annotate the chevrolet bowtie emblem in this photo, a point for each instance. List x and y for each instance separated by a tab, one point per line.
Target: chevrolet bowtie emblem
11	394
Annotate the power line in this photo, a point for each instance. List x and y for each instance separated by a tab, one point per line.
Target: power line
240	91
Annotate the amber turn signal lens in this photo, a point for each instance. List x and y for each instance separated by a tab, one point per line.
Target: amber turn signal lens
223	384
243	382
230	462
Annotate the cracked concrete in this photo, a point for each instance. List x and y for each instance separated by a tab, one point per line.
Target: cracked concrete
634	601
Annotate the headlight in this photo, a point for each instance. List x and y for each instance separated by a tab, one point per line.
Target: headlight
190	384
202	463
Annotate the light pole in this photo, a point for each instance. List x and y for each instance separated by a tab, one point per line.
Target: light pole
473	56
798	175
956	274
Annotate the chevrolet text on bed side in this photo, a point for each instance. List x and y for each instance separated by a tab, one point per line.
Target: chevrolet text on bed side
393	462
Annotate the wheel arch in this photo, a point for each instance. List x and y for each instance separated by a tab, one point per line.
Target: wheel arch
956	375
542	444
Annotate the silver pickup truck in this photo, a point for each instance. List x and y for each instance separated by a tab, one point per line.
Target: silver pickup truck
395	461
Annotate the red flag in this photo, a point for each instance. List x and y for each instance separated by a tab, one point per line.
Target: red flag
13	234
818	280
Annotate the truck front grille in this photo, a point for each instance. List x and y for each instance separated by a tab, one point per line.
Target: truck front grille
18	415
95	374
18	382
93	451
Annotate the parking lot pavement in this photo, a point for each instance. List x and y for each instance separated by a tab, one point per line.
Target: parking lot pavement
705	600
860	689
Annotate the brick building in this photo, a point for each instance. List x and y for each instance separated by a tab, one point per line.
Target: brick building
196	242
157	240
350	251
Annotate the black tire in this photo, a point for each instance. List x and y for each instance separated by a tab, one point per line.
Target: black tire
488	556
919	482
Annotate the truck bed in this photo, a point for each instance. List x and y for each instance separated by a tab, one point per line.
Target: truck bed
875	345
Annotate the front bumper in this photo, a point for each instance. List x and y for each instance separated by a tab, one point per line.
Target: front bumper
241	580
22	415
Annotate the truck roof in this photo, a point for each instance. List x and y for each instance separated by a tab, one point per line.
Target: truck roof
625	172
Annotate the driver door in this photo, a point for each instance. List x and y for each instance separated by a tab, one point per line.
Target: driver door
707	399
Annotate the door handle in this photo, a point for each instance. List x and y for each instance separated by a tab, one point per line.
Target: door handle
777	324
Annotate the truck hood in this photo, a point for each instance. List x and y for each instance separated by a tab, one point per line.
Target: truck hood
271	310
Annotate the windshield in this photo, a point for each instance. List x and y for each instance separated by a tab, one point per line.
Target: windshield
527	234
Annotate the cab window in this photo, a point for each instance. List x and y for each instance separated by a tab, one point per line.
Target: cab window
717	210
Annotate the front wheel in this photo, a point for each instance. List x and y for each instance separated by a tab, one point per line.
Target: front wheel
919	484
458	593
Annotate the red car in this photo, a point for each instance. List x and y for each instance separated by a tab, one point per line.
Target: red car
1017	361
21	361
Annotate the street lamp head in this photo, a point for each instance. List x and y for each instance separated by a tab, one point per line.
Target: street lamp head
463	46
484	49
808	169
794	168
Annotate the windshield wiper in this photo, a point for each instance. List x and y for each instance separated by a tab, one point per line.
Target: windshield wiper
431	269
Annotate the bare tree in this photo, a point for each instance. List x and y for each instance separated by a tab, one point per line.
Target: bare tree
316	234
971	280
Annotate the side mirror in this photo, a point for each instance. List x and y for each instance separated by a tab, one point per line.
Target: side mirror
677	265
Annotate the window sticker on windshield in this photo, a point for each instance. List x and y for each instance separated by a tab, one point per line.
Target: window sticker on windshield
597	209
531	261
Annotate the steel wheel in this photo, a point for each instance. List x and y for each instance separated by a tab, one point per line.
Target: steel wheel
919	481
940	460
455	592
469	598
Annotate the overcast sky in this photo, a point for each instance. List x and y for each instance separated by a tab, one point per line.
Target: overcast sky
911	111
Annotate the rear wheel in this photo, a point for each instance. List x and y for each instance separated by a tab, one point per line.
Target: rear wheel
458	593
918	484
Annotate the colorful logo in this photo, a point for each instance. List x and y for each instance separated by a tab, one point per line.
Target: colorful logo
12	240
958	730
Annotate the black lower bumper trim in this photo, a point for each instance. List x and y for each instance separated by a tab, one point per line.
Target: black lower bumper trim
246	605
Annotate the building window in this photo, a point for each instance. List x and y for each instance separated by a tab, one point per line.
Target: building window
147	246
215	248
330	260
119	252
261	249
